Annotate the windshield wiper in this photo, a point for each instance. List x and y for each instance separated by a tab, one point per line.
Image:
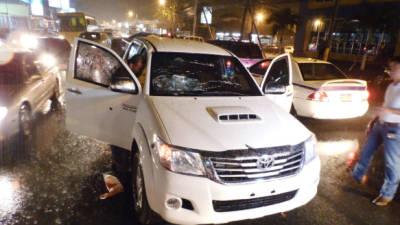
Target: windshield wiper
179	93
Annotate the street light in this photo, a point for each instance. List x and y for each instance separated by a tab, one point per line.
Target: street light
317	24
162	2
259	17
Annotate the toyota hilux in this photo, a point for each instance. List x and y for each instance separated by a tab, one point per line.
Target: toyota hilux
208	146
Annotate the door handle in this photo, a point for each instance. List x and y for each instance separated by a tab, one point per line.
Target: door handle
74	90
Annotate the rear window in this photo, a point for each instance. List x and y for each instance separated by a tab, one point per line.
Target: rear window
58	47
261	67
19	68
241	50
320	71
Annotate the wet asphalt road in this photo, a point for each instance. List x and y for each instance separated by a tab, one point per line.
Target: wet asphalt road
62	181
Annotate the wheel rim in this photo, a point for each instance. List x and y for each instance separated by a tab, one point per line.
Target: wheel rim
57	91
138	189
25	121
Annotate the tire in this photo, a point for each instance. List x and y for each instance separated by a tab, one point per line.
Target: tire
25	134
141	208
55	103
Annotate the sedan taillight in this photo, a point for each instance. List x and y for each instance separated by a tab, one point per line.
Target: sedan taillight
365	95
320	96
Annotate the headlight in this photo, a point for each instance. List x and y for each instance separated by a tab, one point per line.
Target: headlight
179	160
311	149
29	41
3	112
48	60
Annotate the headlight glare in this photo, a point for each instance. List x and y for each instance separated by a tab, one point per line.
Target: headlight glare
3	112
310	149
179	160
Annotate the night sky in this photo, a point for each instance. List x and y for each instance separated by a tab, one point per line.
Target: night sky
115	9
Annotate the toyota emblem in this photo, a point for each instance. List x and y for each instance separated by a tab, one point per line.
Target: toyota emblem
265	162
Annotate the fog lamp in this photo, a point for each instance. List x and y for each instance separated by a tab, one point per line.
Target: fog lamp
174	203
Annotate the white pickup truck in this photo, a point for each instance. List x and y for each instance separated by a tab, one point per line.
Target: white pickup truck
207	145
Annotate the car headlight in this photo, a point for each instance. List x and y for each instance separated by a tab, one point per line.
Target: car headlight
310	149
179	160
3	112
29	41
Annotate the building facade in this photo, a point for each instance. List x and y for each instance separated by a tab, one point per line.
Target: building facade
360	27
31	14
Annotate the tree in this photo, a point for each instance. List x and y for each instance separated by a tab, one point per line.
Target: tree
173	13
283	21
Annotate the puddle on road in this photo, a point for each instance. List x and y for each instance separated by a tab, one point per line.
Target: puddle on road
338	147
58	182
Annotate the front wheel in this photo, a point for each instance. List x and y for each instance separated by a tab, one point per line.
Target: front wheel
142	210
25	134
55	99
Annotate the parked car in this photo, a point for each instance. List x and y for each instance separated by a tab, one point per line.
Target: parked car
27	82
200	124
99	37
57	47
313	88
249	53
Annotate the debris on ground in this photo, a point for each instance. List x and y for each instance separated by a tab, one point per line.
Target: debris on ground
113	186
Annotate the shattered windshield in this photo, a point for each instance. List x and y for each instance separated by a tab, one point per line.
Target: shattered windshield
183	74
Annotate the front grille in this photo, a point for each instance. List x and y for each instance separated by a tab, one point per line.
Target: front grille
244	165
235	205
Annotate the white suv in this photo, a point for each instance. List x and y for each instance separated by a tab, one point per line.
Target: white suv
208	146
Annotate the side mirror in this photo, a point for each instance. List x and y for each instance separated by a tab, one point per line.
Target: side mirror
275	89
125	86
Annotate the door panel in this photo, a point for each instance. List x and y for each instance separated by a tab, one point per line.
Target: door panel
92	108
279	76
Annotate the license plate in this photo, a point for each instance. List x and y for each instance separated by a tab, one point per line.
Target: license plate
346	97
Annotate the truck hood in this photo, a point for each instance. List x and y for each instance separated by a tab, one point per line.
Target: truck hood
227	123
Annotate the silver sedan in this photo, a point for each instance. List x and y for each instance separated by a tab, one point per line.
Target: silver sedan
27	82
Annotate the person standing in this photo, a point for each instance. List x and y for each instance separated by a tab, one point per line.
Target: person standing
384	129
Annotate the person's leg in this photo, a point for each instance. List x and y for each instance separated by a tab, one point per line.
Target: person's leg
371	145
392	162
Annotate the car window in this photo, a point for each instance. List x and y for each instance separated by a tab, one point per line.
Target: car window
241	50
133	50
247	51
11	71
320	71
119	46
30	67
260	68
60	48
96	65
279	72
185	74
